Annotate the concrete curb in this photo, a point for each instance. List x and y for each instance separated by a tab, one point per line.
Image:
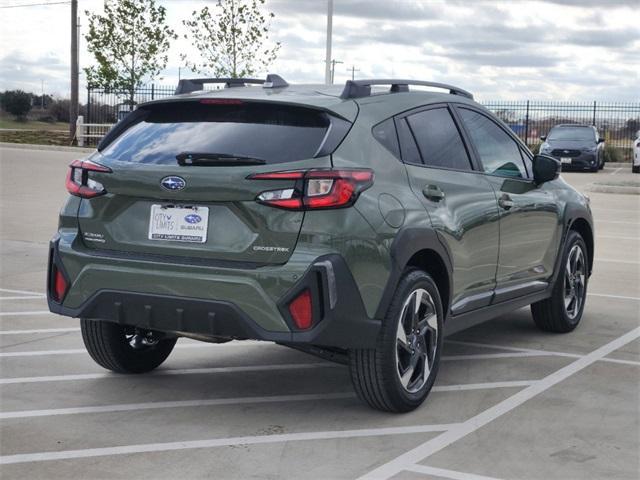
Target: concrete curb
54	148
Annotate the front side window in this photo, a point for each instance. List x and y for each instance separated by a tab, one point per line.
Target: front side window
438	139
499	153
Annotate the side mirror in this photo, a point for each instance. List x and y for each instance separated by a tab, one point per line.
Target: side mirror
543	137
545	169
601	140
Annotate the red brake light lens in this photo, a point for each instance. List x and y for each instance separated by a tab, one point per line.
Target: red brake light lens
301	310
316	189
78	182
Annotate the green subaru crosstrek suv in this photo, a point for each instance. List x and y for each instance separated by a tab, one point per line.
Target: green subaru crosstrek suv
352	223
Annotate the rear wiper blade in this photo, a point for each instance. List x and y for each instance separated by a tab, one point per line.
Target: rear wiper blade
216	159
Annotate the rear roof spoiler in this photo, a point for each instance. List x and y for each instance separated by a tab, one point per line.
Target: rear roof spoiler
362	88
189	85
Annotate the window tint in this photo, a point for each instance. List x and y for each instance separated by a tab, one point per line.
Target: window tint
275	133
438	139
385	133
410	152
499	153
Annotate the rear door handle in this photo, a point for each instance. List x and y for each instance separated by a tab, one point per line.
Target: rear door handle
433	193
505	201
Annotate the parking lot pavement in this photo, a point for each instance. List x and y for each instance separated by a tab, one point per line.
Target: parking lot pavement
510	401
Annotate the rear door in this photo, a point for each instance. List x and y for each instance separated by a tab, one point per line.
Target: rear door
179	184
530	226
459	201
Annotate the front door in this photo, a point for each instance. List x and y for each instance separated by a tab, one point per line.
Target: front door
530	227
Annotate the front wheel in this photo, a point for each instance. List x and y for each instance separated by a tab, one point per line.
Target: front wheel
635	169
562	312
397	375
125	349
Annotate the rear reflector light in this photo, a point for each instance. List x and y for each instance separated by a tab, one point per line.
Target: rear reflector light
315	189
59	285
301	310
78	182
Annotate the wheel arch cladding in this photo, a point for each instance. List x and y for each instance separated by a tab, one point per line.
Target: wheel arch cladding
418	248
583	227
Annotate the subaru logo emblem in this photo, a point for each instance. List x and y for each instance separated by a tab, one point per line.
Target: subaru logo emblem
566	151
173	183
192	218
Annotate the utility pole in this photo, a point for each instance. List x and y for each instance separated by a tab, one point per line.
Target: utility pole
333	69
73	108
328	77
353	71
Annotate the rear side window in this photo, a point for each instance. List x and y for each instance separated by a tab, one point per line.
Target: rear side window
499	153
438	139
385	133
270	132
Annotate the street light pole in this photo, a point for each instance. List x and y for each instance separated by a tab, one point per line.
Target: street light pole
327	60
73	107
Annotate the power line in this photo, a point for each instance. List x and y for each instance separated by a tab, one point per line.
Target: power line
34	4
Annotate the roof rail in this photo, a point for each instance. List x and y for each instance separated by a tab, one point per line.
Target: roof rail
362	88
189	85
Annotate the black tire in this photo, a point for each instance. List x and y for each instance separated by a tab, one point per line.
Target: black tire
635	169
551	314
108	345
375	372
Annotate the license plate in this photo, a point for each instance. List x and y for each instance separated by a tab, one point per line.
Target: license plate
565	160
178	224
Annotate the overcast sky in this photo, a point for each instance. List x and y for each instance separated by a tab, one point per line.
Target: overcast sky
503	50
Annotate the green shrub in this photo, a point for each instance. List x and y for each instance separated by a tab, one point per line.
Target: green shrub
16	102
613	154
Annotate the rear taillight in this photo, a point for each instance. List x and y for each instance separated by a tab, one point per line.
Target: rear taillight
301	310
78	182
315	189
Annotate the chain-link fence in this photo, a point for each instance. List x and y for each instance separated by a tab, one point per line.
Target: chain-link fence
616	122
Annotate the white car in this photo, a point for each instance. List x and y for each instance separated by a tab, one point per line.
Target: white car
636	153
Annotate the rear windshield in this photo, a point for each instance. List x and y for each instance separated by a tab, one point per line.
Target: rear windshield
270	132
572	133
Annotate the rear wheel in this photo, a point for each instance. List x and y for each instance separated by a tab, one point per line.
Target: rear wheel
125	349
562	312
635	169
397	374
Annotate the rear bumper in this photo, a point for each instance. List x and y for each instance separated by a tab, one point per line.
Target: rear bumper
230	303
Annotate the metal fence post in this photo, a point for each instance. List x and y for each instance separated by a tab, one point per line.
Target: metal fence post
80	130
526	125
153	89
594	113
87	113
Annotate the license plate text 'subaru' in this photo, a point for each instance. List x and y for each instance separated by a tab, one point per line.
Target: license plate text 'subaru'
179	224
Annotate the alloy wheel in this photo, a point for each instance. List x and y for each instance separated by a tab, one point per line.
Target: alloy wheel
416	340
574	282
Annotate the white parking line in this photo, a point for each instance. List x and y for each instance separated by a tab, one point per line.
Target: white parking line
24	297
443	473
21	314
476	422
538	352
487	356
24	292
619	297
615	171
185	371
618	237
40	330
127	407
221	442
630	262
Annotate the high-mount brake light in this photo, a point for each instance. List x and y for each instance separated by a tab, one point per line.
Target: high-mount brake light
315	189
221	101
78	182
